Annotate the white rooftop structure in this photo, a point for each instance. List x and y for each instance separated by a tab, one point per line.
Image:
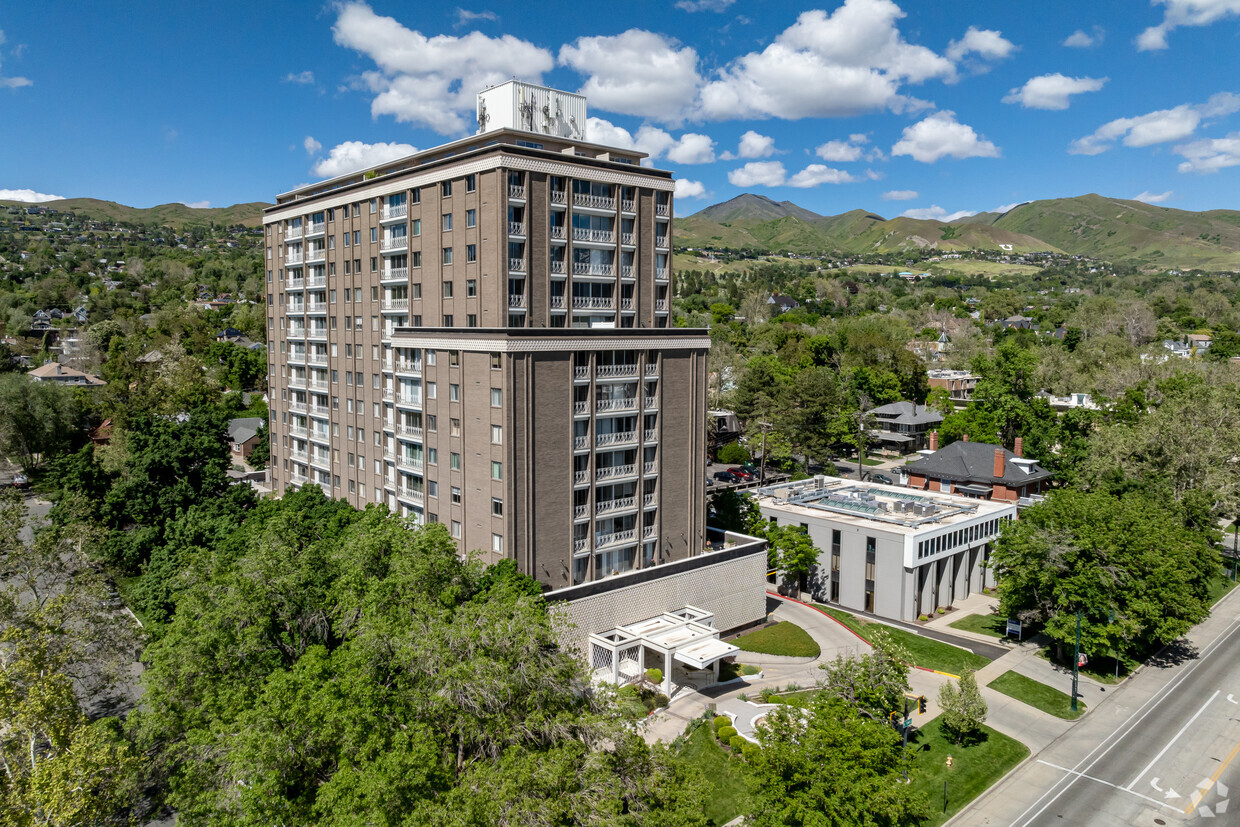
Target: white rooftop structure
532	108
686	635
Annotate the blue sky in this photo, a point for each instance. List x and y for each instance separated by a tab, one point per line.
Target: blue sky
903	106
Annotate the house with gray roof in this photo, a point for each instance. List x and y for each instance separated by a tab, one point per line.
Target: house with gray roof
243	435
903	427
976	469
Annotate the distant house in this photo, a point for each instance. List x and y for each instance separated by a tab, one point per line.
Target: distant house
1180	349
976	469
229	334
1199	342
58	373
959	384
1017	322
904	426
782	304
101	434
243	435
1072	400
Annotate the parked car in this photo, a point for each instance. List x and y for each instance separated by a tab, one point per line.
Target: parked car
709	481
21	481
726	476
742	473
883	478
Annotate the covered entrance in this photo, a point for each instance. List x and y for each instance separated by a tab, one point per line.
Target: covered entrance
686	637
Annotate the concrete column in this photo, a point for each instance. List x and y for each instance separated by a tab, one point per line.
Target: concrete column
667	674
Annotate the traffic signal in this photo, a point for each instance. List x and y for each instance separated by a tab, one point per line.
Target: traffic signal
921	704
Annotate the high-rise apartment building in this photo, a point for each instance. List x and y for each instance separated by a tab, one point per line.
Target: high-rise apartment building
479	334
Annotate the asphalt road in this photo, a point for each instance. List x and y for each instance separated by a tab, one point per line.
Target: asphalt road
1162	749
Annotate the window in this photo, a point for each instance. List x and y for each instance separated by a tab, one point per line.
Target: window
374	234
447	221
447	255
456	495
374	264
432	456
447	289
497	398
374	205
415	227
346	239
432	422
497	506
471	218
471	252
415	258
455	425
415	195
415	290
447	320
471	183
455	461
431	389
456	530
497	434
471	286
497	543
432	488
497	470
496	361
471	319
445	189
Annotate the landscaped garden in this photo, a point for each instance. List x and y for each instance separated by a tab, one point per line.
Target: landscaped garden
1038	695
783	638
926	653
974	768
726	775
982	624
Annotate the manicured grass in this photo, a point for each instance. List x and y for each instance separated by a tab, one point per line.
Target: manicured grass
1221	585
926	653
783	638
982	624
974	768
729	795
1038	695
1101	669
730	671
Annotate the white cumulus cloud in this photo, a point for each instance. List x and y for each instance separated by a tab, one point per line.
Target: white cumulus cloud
899	195
1157	127
1008	207
987	44
941	136
29	196
752	145
12	82
1080	39
636	73
352	156
842	151
816	174
1210	155
689	148
703	5
197	205
306	78
432	81
1185	13
758	174
312	146
689	189
1152	197
1052	91
936	213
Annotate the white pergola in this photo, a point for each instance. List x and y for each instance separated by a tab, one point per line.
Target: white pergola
686	635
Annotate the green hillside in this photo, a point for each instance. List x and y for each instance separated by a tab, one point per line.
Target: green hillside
165	215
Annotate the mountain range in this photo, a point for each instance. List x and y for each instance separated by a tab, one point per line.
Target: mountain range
1089	225
165	215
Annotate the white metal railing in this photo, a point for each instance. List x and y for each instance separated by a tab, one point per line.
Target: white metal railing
616	504
516	228
297	479
651	435
660	241
604	540
581	372
599	236
316	255
316	307
320	436
300	407
406	366
295	284
396	242
603	440
395	304
317	332
316	281
613	471
613	371
516	265
627	271
406	399
598	202
316	228
587	268
626	304
660	274
320	410
581	477
322	459
593	302
317	358
556	267
580	545
292	233
557	231
301	455
581	408
628	205
297	332
409	494
652	369
660	209
616	404
389	393
558	196
648	500
660	304
291	260
317	384
557	301
516	191
651	403
297	430
399	211
628	239
396	273
581	442
580	512
650	467
389	453
516	300
409	462
299	307
414	431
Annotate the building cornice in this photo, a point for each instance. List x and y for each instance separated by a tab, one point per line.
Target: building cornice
518	340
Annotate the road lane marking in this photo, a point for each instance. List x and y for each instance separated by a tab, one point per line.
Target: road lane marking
1207	783
1163	751
1168	793
1108	783
1154	700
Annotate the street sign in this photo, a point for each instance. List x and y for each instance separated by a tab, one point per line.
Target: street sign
1082	660
908	722
1013	628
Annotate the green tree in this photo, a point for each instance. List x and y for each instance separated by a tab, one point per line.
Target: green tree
874	682
38	420
733	454
792	552
964	708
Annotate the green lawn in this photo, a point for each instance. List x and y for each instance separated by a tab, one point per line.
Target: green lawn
783	638
729	795
982	624
1220	586
1038	695
1100	669
729	671
974	768
926	653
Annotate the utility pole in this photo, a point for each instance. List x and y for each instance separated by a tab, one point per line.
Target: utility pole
863	402
762	466
1076	661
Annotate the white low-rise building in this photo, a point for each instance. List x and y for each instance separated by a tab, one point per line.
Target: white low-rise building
887	550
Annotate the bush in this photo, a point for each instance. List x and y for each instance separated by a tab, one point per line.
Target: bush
661	700
733	454
654	676
737	743
721	722
750	751
923	617
726	733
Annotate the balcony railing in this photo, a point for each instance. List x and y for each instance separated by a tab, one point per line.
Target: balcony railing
651	403
650	467
299	307
580	443
648	532
406	366
586	268
316	228
615	371
317	384
626	304
628	205
593	303
316	307
599	236
660	274
661	209
649	500
660	241
557	302
389	394
651	435
396	242
581	477
613	471
396	273
615	538
395	304
297	430
296	284
581	372
627	271
516	228
628	239
317	280
409	462
291	260
603	440
301	455
316	255
516	265
604	405
598	202
580	545
652	370
317	333
558	196
557	232
581	408
556	267
404	399
580	512
617	504
516	191
516	300
299	407
292	233
409	494
660	305
393	212
414	431
317	358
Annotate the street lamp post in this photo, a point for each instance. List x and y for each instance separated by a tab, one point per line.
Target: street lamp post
1076	661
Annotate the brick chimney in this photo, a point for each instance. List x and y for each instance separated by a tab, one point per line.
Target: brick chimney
1019	448
934	440
999	462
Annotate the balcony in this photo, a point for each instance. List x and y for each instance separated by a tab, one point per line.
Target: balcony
299	307
595	236
297	407
581	512
516	265
516	228
556	267
581	478
516	300
627	271
581	443
319	280
317	228
650	467
661	209
516	191
648	532
411	431
406	366
612	506
292	259
409	463
605	405
626	304
660	305
317	358
557	302
395	304
593	303
316	307
605	440
580	546
660	274
410	494
320	436
628	239
660	241
558	196
611	472
650	500
394	243
393	213
297	430
317	384
292	233
322	460
651	403
651	435
389	394
628	205
586	268
295	283
409	401
616	371
320	410
395	273
581	408
596	202
614	539
301	455
557	232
